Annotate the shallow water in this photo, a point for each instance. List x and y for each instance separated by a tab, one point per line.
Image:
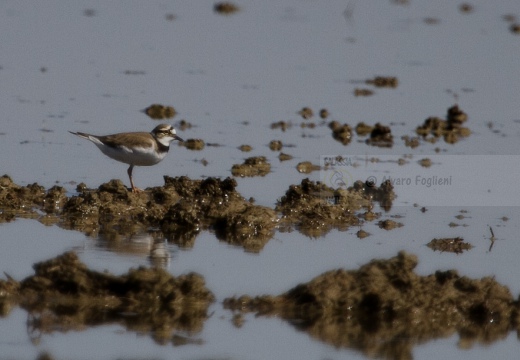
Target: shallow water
231	77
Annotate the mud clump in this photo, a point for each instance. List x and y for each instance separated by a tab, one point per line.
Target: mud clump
411	142
19	198
282	125
54	200
6	217
251	228
215	203
363	129
389	224
225	8
309	125
426	162
369	308
363	92
64	294
181	209
275	145
245	148
450	129
158	112
341	133
306	167
456	117
324	113
381	136
361	234
314	208
306	113
455	245
253	166
184	125
25	201
383	81
194	144
113	209
284	157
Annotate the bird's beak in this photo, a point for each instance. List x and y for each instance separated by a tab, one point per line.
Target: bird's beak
176	137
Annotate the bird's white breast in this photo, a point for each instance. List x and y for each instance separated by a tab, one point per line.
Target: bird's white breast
138	156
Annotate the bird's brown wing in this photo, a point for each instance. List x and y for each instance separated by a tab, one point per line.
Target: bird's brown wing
130	139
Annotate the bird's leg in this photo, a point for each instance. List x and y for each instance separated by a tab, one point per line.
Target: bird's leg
129	171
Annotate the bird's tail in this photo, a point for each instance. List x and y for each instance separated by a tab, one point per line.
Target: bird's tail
80	134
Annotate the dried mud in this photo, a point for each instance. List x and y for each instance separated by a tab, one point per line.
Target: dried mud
225	8
275	145
455	245
253	166
383	81
283	125
316	208
450	129
306	113
306	167
381	136
284	157
324	113
245	148
194	144
363	92
341	133
384	308
182	208
159	112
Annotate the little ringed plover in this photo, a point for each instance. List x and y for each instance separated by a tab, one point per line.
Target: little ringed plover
135	148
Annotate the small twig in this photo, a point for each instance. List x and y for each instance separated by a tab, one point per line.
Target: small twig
9	277
492	238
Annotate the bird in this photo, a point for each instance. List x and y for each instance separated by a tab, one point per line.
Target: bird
135	148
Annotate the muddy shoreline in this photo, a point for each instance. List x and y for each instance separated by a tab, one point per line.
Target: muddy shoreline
183	207
365	309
